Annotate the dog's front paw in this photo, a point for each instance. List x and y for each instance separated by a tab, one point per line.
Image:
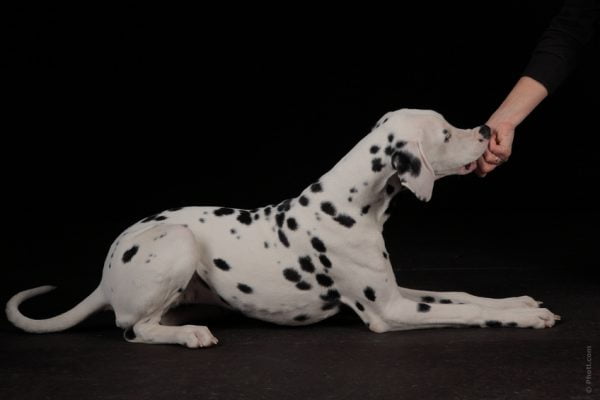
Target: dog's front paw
537	318
527	301
515	302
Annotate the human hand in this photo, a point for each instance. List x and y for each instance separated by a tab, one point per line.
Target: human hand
499	148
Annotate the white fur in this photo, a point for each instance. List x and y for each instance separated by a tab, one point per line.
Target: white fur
159	263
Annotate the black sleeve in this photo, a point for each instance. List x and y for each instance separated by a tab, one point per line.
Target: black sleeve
556	53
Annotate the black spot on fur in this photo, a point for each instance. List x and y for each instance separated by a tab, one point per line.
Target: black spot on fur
391	137
318	245
129	334
445	301
223	211
292	224
180	290
128	255
400	144
389	189
328	208
422	307
331	295
376	164
493	324
345	220
427	299
360	306
374	149
280	217
150	218
282	238
306	264
353	190
330	304
365	209
154	217
221	264
301	318
389	150
369	293
350	199
245	217
405	162
244	288
284	206
303	200
302	285
316	187
201	220
256	216
267	211
325	261
291	275
512	325
324	280
266	245
233	231
385	255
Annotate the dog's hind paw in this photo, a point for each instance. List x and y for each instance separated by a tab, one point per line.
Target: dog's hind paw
193	336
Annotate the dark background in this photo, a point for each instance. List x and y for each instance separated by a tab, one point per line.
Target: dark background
116	114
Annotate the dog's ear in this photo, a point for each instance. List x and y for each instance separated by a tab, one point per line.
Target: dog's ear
414	170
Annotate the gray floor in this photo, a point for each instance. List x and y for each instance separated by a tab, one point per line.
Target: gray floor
336	359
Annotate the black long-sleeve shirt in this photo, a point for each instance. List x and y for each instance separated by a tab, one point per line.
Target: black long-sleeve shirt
561	44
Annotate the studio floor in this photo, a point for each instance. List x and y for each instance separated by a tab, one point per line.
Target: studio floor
336	359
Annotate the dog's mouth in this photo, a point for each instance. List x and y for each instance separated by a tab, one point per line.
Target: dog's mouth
468	168
464	170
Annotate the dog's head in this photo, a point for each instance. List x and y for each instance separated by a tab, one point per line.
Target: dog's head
429	148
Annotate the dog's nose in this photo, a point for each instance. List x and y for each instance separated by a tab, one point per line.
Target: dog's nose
485	131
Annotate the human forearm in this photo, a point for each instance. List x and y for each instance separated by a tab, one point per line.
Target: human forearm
525	96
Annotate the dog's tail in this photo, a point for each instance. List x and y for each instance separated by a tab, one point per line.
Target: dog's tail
94	302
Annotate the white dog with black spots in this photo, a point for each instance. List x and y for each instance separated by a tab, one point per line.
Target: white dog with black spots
295	263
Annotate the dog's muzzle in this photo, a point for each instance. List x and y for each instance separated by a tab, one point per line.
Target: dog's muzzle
485	131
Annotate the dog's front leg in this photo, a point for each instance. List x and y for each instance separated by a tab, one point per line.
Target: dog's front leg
426	296
402	314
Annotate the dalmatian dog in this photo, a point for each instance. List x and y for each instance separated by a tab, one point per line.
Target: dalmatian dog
296	262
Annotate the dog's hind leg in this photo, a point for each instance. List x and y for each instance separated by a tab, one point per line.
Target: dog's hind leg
151	331
148	275
466	298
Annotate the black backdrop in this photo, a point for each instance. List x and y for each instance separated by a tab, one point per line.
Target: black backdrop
117	114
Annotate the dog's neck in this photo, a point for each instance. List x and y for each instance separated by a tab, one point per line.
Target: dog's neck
364	181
